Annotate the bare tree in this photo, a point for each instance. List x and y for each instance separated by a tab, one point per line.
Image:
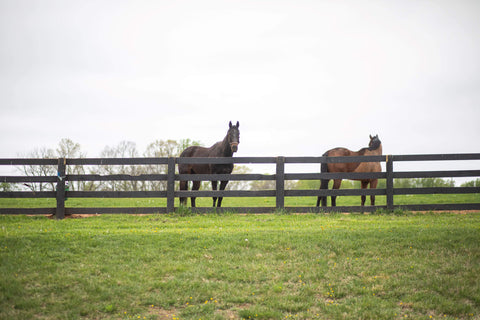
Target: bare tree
262	185
125	149
271	184
160	149
69	149
39	170
240	184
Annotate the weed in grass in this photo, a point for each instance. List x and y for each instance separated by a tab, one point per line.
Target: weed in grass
281	211
183	211
396	211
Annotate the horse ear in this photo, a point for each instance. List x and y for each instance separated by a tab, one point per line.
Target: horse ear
238	124
230	124
370	137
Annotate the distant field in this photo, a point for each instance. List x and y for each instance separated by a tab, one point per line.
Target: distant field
239	202
226	266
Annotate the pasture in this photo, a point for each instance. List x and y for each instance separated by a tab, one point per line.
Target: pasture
278	187
229	266
237	202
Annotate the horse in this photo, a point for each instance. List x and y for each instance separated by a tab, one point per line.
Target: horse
374	148
225	148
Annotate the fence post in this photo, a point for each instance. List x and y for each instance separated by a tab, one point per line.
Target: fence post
389	182
280	183
171	185
60	211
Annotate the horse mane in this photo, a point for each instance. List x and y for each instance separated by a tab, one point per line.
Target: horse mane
376	144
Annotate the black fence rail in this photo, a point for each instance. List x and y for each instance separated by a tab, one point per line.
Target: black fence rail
279	177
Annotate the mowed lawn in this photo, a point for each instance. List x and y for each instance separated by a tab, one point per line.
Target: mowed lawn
273	266
237	202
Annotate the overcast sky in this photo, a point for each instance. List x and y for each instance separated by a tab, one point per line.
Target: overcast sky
301	76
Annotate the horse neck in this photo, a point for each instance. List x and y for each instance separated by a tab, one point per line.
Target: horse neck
225	150
368	152
378	151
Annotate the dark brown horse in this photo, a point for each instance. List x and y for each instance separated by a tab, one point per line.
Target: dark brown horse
224	148
374	148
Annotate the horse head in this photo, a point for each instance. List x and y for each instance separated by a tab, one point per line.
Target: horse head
374	142
233	136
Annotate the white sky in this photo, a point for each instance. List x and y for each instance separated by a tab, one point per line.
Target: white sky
301	76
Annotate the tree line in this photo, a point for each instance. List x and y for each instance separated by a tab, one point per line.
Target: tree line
125	149
164	148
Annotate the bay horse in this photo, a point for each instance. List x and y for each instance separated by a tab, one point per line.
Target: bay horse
225	148
374	148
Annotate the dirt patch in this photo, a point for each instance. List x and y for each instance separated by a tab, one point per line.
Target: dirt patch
74	216
227	314
81	216
449	211
163	314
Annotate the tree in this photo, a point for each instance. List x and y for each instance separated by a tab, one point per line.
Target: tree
472	183
66	149
6	187
69	149
39	170
271	185
159	149
434	182
125	149
184	144
239	184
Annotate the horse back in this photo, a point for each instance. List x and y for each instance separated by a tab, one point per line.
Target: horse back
341	167
352	166
196	151
338	152
193	151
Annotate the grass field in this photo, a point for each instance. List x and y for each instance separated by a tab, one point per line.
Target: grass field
403	266
238	202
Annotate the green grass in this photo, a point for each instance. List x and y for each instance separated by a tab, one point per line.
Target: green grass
238	202
411	266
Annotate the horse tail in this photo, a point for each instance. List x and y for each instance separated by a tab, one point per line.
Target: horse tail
323	182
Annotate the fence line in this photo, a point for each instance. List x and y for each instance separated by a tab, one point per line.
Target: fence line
279	177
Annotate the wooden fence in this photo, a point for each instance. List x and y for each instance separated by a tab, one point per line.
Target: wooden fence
279	177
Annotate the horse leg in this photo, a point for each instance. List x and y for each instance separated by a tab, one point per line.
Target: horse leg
214	188
373	185
195	187
323	185
183	186
364	186
223	185
336	185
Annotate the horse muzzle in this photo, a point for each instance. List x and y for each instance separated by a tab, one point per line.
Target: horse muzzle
234	146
